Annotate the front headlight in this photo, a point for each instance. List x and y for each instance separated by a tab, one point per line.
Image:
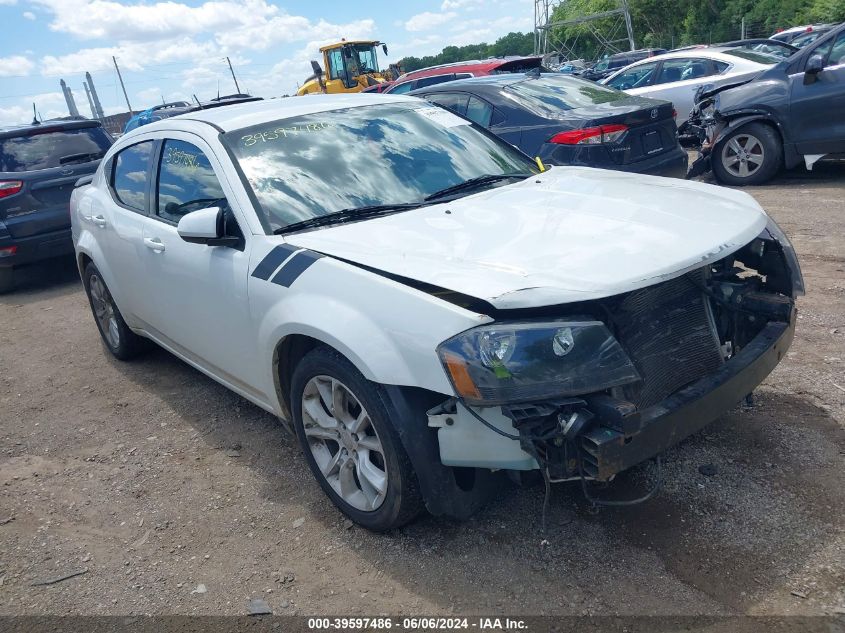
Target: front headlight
513	362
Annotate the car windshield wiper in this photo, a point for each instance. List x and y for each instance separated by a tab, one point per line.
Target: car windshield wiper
344	215
472	183
86	156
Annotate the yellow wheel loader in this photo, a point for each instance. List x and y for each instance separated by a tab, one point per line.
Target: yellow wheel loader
350	67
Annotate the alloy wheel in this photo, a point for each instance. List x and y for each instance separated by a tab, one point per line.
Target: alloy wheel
344	443
104	310
743	155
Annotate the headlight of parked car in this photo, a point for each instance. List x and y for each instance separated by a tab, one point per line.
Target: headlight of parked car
513	362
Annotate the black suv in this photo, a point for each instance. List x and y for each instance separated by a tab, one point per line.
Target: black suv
39	165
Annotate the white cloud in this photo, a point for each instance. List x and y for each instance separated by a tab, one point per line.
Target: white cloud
49	106
29	15
16	65
131	56
233	24
8	3
459	4
428	20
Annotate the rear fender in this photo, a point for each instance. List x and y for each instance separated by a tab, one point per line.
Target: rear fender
88	247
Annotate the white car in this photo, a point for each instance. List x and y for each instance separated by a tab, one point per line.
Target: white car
677	76
422	303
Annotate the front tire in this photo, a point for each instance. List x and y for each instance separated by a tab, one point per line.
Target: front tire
350	443
122	342
750	155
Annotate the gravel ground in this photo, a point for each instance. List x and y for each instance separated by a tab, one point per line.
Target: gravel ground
179	497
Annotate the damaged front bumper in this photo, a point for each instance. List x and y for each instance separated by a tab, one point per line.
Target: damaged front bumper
608	448
608	451
700	342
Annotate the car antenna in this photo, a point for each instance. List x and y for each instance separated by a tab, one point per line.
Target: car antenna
35	120
198	101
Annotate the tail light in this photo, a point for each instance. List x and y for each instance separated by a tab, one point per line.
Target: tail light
674	113
591	135
10	187
8	251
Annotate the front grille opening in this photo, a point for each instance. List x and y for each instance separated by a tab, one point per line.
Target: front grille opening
669	332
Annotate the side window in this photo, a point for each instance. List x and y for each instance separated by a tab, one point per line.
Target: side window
720	66
635	77
837	52
683	69
336	65
129	178
437	79
186	181
479	111
454	101
398	89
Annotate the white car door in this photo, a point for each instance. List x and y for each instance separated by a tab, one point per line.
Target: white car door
678	80
120	226
199	291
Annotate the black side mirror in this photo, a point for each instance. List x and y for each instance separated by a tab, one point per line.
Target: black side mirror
384	48
814	66
315	66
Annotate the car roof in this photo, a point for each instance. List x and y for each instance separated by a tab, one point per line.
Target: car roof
711	52
470	65
247	114
52	124
493	83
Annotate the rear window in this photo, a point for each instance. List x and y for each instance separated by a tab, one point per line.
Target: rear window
550	94
753	56
49	149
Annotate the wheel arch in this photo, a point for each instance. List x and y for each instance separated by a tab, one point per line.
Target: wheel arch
790	156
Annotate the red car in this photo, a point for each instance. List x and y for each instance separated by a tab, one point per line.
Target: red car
458	70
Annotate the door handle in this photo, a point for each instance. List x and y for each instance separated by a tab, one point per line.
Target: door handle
154	243
99	220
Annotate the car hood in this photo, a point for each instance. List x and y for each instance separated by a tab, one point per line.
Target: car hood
569	234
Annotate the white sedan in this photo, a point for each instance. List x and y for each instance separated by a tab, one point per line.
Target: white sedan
677	76
426	306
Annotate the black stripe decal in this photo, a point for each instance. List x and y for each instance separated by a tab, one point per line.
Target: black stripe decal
271	262
297	265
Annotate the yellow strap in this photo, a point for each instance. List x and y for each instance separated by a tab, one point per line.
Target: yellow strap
540	163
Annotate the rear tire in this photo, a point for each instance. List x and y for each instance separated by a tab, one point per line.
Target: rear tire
122	342
7	279
750	155
350	442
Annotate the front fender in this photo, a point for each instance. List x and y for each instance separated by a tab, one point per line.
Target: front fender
737	121
388	330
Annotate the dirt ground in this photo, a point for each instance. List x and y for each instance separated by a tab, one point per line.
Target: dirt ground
156	480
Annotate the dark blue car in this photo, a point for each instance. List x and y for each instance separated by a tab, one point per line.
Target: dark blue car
39	165
569	121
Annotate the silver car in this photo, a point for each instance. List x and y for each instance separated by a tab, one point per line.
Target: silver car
677	76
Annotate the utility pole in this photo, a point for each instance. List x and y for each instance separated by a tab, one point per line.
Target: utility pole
232	70
120	77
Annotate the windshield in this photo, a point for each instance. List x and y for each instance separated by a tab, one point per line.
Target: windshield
549	94
366	55
398	153
46	148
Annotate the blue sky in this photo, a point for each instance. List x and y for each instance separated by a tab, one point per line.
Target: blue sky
177	48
